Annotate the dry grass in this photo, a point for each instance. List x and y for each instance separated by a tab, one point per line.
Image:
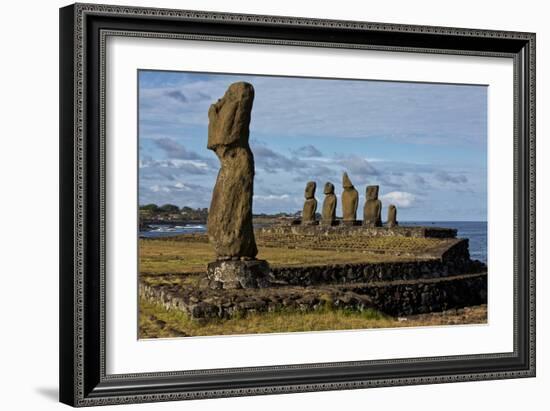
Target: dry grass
390	244
173	256
192	254
157	322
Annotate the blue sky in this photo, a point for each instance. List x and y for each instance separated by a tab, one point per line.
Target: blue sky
424	144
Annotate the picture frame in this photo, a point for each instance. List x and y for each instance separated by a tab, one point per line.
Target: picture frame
84	380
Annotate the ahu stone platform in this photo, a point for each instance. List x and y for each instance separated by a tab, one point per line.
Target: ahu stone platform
396	298
439	278
359	230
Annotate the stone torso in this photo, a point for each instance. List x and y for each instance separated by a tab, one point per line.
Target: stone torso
230	228
372	213
350	201
392	216
310	208
329	208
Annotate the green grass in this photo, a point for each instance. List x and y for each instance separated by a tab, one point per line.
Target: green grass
157	321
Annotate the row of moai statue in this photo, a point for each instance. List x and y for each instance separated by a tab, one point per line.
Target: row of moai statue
372	211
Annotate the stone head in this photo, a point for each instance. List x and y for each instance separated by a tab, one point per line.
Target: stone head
392	208
310	189
329	188
229	117
346	182
372	192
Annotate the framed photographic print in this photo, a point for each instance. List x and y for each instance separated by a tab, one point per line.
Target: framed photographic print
261	204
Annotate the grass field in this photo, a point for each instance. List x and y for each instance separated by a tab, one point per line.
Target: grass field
188	254
157	322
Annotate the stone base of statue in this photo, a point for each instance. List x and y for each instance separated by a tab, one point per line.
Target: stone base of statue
329	222
371	224
309	222
232	274
352	222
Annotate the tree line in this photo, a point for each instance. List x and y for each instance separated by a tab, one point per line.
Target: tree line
186	212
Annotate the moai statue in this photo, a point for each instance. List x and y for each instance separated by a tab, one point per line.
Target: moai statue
329	205
392	216
372	213
310	205
230	228
350	201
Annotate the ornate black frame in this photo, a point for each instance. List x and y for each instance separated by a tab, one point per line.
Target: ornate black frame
83	30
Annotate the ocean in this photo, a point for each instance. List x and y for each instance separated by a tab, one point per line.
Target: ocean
475	231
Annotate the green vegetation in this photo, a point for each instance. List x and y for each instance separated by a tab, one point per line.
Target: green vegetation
157	322
169	208
150	207
171	212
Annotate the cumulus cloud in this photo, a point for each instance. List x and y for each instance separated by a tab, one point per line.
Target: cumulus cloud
270	160
176	187
445	177
170	168
173	149
358	166
419	180
271	197
316	172
177	95
399	198
275	203
307	151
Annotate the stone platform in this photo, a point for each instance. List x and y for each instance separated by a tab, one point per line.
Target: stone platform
417	275
359	230
396	298
446	278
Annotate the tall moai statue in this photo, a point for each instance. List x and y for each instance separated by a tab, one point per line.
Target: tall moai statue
350	201
372	213
310	205
392	216
230	228
328	216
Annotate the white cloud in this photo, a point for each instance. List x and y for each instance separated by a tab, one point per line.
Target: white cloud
158	188
399	198
271	197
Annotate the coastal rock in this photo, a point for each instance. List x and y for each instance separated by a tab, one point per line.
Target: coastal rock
392	216
372	212
328	216
230	228
310	205
350	201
